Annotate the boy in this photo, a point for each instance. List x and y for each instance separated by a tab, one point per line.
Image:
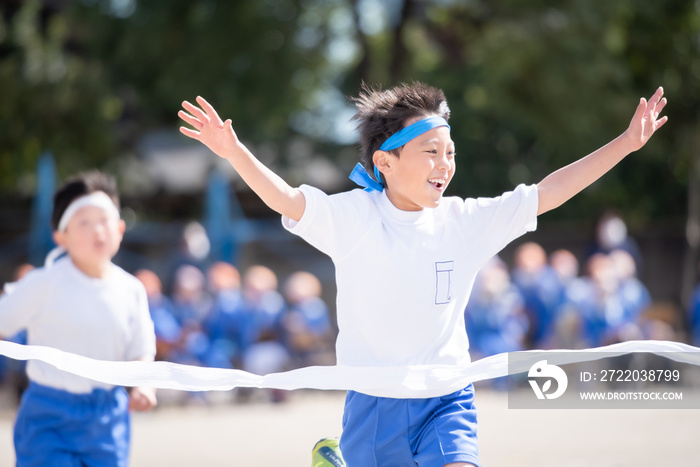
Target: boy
86	305
406	257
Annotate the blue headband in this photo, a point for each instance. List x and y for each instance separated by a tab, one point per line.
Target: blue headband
402	137
360	176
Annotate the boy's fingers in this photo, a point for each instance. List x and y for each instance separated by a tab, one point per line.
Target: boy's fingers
191	133
641	108
656	97
208	109
660	123
189	119
660	106
196	111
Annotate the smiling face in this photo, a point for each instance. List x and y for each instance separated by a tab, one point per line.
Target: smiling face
92	238
418	177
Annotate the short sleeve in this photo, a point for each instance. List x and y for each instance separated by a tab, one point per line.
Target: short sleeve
495	222
22	301
143	337
332	223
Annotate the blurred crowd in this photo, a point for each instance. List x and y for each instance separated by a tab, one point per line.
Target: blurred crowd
548	301
543	302
221	319
218	316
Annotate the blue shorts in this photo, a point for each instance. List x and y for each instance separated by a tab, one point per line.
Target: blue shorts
59	428
379	431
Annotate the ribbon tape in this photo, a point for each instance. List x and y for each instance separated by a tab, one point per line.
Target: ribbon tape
408	382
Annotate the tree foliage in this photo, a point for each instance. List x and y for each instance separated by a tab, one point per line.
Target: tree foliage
535	85
532	85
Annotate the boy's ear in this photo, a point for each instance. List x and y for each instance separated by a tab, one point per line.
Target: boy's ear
59	238
383	161
121	227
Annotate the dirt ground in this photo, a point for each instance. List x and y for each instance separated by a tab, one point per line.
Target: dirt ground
261	434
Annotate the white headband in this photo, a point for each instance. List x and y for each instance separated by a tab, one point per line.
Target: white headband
98	199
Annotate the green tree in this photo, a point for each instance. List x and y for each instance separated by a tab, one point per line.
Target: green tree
85	79
535	85
52	97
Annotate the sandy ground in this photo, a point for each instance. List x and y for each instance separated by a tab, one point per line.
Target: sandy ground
264	434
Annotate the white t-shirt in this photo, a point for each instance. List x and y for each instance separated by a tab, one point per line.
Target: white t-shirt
61	307
404	277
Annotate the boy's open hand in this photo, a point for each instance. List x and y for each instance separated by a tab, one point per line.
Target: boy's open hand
210	130
646	119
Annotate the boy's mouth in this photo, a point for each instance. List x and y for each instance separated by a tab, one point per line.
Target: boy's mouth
438	183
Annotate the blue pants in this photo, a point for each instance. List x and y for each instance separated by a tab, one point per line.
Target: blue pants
384	432
59	428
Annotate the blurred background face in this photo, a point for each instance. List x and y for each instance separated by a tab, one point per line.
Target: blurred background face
258	280
189	283
151	282
302	285
92	236
530	257
223	276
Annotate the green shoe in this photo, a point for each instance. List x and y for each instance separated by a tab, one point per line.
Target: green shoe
327	453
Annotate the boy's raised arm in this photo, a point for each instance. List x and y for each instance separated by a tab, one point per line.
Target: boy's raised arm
560	186
219	136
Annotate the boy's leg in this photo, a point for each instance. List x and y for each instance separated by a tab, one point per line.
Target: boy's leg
448	435
72	429
375	432
106	442
38	434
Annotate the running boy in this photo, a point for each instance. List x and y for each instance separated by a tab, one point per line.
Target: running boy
86	305
406	257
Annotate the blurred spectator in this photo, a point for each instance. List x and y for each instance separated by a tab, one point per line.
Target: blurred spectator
262	311
494	316
565	266
567	328
306	323
191	303
633	293
611	234
567	332
225	317
191	306
540	287
261	331
167	329
660	321
606	320
193	250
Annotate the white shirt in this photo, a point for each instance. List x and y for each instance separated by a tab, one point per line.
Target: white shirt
61	307
404	277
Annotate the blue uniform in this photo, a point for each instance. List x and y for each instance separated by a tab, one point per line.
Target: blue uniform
51	428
